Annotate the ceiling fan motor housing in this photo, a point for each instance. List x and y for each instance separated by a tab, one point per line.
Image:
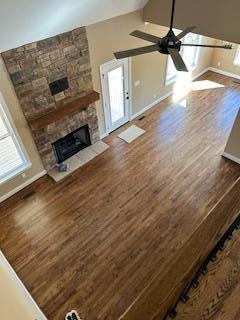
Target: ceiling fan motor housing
169	41
168	45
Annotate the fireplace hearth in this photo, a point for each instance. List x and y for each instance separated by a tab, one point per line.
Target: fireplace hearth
72	143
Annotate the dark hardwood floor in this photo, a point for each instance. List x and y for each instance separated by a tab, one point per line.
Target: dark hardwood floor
95	240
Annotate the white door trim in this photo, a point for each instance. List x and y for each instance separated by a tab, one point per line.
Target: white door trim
114	63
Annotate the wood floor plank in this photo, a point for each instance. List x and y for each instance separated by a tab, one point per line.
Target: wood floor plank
93	241
163	292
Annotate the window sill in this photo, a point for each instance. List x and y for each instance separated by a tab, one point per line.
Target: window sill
15	173
170	81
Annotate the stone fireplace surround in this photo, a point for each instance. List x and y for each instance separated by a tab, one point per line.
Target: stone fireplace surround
46	136
33	67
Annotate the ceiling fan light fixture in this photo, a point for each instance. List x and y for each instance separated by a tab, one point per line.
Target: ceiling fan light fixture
169	45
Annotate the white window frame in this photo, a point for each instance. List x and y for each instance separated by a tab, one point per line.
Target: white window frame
196	58
12	132
173	78
236	61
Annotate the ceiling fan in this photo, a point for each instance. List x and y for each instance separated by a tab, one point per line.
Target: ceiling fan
170	44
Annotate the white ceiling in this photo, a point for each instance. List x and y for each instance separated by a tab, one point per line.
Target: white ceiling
26	21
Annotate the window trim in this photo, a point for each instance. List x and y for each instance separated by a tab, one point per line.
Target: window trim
237	57
196	59
7	119
171	80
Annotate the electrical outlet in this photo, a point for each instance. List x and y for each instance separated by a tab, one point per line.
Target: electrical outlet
219	64
154	96
23	175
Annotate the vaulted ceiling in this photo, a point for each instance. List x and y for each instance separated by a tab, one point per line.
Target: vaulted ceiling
214	18
25	21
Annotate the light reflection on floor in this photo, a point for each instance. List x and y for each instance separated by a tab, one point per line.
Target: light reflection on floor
183	103
205	85
184	84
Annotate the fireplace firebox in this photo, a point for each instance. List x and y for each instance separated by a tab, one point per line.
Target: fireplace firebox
71	144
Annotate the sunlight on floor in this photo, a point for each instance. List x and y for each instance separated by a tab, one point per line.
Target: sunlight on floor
184	85
183	103
205	84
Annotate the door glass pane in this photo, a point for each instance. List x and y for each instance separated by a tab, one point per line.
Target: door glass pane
3	129
116	94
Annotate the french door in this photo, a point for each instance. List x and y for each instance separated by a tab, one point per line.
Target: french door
115	90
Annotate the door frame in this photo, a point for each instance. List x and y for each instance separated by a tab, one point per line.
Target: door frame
103	88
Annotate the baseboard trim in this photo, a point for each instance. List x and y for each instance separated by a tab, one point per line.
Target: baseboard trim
23	185
231	157
225	73
200	73
160	99
104	135
151	105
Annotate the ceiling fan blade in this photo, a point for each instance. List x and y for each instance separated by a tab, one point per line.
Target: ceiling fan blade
177	60
185	32
136	52
145	36
207	46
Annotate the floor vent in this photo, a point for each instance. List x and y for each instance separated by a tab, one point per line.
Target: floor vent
28	195
141	118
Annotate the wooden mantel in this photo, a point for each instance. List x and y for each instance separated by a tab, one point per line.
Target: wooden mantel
63	110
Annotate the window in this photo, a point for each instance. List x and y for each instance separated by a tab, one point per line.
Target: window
13	158
189	54
237	57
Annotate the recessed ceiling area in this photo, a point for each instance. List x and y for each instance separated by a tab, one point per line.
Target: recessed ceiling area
217	19
26	21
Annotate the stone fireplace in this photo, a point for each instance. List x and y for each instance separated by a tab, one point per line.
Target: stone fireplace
53	82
